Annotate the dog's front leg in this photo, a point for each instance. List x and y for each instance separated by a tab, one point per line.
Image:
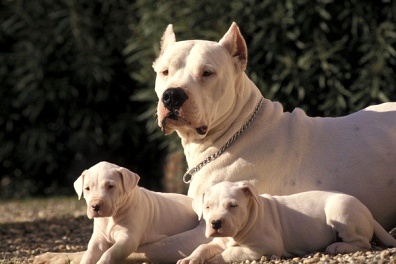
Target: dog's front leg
118	252
95	250
172	248
202	254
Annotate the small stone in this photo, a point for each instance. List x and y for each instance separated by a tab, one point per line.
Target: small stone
384	254
317	255
311	260
263	258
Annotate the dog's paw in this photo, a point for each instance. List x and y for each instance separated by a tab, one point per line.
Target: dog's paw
52	258
343	248
190	260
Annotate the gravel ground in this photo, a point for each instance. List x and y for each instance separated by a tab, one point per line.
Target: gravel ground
31	227
36	226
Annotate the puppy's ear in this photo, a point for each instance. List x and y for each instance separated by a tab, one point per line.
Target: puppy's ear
197	205
79	185
234	42
249	190
168	38
129	179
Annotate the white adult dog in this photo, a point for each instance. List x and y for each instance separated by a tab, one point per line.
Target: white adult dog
229	132
246	226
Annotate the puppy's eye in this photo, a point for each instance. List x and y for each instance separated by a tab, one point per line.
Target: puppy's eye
111	186
165	72
87	188
233	205
207	73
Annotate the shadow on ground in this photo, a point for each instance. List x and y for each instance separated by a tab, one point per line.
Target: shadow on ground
20	241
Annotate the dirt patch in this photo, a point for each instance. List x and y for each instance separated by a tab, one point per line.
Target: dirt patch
32	227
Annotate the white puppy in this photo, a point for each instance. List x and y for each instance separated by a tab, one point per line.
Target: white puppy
247	226
127	216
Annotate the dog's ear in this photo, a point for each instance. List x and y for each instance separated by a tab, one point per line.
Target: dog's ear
168	38
197	205
79	185
129	179
249	190
234	42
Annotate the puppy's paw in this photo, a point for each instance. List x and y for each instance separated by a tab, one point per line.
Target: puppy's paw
191	260
343	248
52	258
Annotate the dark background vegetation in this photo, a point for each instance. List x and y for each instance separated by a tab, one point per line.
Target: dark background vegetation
77	87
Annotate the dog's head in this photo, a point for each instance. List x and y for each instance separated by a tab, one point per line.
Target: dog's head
105	187
195	82
225	207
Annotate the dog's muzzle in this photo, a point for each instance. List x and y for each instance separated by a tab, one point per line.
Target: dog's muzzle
216	224
173	99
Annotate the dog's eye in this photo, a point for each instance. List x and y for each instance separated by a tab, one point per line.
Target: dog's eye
233	205
165	72
87	188
111	186
206	73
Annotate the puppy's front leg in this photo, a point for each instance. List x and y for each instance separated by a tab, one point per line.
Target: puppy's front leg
172	248
236	254
202	254
95	249
118	252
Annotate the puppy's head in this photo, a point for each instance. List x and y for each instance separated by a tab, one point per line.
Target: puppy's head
195	81
105	187
225	207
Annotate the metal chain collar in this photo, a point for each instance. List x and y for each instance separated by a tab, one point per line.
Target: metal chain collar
191	172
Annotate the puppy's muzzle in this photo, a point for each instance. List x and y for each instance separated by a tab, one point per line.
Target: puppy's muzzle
96	207
173	99
216	224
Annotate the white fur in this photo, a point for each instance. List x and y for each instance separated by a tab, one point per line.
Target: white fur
280	153
127	216
252	226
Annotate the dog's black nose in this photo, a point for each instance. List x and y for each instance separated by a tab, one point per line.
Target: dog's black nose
216	224
174	98
96	207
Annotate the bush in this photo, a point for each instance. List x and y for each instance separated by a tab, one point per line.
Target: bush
65	96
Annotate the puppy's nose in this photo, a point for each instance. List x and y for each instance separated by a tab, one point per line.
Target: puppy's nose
174	98
96	207
216	224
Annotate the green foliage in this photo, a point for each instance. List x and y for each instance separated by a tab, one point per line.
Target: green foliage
77	84
64	93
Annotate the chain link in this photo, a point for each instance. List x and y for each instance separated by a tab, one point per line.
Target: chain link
191	172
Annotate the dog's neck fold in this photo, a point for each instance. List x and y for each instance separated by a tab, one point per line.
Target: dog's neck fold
226	126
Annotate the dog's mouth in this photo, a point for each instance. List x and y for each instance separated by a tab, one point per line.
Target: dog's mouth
202	130
217	233
101	213
175	115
